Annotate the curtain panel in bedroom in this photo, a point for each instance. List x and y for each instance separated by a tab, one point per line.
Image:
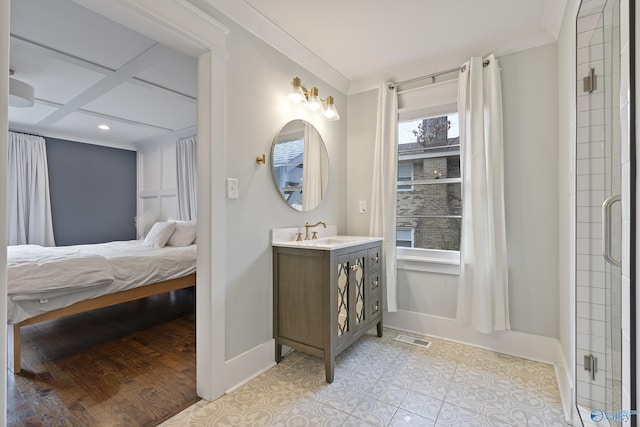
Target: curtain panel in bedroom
28	206
187	179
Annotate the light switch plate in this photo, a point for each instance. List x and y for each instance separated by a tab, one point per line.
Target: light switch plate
232	188
362	207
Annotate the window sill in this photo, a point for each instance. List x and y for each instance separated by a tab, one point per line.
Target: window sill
429	263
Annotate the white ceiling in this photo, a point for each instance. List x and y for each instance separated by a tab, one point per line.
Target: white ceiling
360	38
88	70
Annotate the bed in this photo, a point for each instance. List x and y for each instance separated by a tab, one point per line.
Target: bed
49	283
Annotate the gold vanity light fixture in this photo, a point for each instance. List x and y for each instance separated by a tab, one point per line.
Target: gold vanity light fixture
300	95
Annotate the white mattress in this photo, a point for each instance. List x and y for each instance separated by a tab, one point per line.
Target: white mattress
132	264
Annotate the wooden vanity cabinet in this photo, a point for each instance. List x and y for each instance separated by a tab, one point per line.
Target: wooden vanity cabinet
324	300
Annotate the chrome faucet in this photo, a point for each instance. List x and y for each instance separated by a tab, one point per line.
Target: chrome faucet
307	226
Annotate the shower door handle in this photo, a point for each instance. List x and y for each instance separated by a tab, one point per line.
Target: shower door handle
606	230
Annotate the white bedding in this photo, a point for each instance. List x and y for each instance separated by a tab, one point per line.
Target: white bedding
132	265
32	269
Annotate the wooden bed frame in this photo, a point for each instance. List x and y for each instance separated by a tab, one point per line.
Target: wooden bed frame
13	331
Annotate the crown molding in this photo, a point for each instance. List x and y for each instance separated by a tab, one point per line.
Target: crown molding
257	24
431	65
151	18
553	16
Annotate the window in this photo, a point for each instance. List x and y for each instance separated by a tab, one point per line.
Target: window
429	205
405	173
404	237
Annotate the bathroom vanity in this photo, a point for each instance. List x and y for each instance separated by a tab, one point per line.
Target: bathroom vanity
326	294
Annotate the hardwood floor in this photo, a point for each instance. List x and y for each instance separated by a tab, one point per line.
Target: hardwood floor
129	365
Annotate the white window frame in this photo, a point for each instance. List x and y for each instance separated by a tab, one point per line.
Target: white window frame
405	187
411	237
419	259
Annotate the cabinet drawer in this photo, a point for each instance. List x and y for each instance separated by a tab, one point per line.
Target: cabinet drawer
375	304
374	257
375	281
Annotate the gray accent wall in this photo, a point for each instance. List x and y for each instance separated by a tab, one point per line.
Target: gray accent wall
93	192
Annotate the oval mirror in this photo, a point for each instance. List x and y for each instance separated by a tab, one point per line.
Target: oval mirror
300	165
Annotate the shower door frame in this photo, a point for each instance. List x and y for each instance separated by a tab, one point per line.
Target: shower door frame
630	211
633	184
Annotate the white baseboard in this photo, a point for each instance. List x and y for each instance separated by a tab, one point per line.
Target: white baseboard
248	365
565	385
521	344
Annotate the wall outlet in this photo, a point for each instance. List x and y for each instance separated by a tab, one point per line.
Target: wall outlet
362	207
232	188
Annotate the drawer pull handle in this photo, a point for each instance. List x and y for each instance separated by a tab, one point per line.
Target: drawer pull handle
375	283
375	258
375	307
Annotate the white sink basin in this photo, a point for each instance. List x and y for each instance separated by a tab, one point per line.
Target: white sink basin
328	243
335	240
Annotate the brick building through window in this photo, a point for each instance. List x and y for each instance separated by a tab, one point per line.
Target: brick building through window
429	208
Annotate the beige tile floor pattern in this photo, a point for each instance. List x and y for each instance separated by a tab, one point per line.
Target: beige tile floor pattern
383	382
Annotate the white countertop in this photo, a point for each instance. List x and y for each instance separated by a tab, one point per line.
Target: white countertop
327	238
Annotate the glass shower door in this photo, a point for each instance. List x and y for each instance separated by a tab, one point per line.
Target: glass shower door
612	211
598	211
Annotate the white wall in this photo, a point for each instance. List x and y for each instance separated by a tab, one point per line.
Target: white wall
157	186
258	79
530	85
361	134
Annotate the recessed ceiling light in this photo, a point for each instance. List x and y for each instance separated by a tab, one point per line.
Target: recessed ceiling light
104	127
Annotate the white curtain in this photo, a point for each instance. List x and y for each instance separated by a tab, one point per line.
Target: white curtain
187	179
29	205
383	197
312	171
483	299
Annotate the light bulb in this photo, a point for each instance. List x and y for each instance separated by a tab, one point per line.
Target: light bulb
314	102
330	113
296	95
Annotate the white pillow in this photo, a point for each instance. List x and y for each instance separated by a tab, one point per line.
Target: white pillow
159	234
185	233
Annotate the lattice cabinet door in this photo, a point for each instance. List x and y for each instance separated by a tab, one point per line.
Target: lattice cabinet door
344	287
352	294
360	293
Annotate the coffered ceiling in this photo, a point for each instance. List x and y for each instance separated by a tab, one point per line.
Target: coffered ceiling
87	70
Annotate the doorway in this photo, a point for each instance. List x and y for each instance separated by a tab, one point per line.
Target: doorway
193	32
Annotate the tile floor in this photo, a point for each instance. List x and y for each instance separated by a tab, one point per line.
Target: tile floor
383	382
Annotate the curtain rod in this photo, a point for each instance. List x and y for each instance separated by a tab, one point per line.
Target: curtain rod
433	76
25	133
